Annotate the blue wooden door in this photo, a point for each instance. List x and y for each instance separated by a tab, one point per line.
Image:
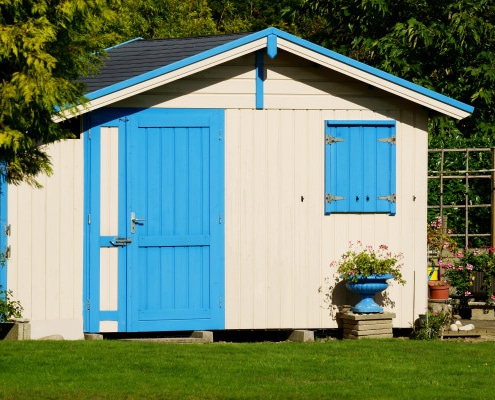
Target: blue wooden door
175	207
169	237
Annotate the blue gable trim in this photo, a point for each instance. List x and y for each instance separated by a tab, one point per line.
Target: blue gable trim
271	34
375	71
3	223
260	79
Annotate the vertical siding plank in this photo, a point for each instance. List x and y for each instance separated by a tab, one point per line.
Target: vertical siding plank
233	186
52	200
247	225
260	239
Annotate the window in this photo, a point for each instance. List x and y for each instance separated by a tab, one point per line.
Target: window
360	167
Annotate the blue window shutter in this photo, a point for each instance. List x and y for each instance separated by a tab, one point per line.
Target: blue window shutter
360	166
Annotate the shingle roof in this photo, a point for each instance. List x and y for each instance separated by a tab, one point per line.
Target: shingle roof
139	56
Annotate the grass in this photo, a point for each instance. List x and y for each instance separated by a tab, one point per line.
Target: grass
364	369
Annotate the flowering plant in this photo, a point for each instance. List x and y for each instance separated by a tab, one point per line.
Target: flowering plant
438	236
467	267
363	261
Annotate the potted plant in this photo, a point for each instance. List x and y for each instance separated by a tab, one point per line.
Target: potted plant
439	290
366	271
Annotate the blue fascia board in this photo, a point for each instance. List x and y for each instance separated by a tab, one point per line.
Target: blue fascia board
375	71
291	38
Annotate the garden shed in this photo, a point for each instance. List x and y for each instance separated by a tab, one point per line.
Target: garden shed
213	181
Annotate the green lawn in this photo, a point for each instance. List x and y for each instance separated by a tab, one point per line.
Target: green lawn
364	369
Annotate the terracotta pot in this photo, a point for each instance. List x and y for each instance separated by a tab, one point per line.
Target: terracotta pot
438	291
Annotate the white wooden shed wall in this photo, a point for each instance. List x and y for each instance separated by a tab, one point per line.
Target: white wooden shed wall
278	242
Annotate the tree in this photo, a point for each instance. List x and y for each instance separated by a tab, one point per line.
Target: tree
45	45
152	19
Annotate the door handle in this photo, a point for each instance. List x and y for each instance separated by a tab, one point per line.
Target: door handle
135	221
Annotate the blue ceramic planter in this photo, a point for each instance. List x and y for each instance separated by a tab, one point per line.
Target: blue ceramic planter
367	288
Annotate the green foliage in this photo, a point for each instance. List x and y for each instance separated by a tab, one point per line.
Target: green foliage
467	267
44	46
360	261
9	308
231	16
430	325
152	19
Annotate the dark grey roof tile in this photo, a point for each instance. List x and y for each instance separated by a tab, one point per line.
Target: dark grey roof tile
138	57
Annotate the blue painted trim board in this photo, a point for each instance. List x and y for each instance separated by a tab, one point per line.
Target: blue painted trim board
260	79
3	223
272	34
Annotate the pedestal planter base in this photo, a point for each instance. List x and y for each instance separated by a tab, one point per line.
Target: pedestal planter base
15	331
361	326
367	287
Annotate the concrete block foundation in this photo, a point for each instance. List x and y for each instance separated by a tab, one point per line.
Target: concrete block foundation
369	326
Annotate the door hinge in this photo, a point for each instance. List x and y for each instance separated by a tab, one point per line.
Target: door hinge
88	304
329	198
391	197
390	139
329	139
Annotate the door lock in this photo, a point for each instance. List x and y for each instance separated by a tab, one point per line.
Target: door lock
135	221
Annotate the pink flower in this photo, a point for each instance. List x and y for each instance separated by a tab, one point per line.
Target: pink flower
469	267
492	297
440	263
467	293
460	268
459	254
477	252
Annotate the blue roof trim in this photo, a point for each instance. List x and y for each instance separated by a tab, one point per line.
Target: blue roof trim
375	71
123	43
177	65
291	38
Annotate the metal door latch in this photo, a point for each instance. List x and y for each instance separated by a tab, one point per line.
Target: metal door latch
120	241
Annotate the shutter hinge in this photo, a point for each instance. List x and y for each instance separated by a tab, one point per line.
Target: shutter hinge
88	304
390	139
89	219
329	198
220	219
125	119
329	139
391	197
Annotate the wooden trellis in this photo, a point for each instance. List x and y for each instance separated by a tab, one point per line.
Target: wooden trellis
467	176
